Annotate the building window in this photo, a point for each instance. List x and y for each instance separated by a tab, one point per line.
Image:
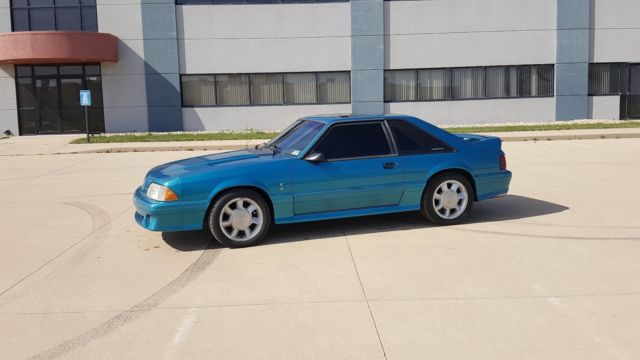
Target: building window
434	84
468	83
535	80
233	89
266	89
605	79
400	85
243	2
49	98
501	82
300	88
70	15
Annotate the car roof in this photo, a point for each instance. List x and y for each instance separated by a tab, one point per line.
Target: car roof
335	118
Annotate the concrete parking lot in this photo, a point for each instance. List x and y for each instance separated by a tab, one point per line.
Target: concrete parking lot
551	271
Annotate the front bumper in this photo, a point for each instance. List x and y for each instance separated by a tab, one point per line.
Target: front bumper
167	216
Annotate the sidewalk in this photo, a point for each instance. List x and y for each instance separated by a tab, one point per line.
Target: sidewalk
59	144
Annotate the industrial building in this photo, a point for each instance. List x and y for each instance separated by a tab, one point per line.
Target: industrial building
172	65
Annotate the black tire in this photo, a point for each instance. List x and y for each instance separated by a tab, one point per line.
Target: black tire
213	220
436	216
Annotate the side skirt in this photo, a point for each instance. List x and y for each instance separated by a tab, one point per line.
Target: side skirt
346	214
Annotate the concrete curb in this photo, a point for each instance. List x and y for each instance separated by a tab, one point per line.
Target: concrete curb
571	137
211	147
221	147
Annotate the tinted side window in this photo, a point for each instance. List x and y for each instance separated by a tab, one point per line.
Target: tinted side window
352	141
410	139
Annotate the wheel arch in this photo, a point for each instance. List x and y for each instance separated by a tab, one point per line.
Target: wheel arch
220	192
456	170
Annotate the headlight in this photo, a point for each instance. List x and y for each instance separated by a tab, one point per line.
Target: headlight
161	193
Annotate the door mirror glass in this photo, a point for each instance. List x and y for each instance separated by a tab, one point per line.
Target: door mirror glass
315	157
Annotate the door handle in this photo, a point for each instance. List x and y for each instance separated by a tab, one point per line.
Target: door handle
389	165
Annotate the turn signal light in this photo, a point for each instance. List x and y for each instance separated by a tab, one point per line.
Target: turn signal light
169	195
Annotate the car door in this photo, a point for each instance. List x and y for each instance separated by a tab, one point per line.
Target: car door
360	170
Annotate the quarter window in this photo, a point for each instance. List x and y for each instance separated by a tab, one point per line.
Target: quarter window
354	141
410	139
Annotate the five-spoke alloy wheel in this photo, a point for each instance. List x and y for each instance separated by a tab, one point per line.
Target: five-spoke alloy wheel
447	199
239	218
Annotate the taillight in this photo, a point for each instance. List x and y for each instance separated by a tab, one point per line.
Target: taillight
503	162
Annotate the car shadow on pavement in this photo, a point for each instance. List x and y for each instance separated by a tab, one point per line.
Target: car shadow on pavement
190	240
509	207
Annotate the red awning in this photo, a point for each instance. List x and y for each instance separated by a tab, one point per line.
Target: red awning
54	47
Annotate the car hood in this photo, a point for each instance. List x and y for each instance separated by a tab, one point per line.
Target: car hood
205	163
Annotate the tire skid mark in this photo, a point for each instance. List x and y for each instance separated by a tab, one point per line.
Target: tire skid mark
153	301
101	226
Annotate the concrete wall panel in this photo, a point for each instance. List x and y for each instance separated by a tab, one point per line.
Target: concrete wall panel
254	117
616	14
616	45
264	55
8	104
263	21
367	56
7	93
264	38
123	83
457	16
470	49
572	59
130	59
615	24
121	20
126	119
9	121
480	111
604	107
124	90
5	17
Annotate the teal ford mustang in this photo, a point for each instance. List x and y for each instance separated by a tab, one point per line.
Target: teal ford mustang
325	167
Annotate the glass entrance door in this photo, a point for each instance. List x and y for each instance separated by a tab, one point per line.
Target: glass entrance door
633	99
47	95
70	109
49	98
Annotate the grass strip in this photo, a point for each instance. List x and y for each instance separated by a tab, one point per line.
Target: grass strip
253	135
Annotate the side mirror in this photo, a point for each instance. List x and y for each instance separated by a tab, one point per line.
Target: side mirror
315	157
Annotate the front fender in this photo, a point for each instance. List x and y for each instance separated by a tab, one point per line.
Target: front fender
281	200
237	182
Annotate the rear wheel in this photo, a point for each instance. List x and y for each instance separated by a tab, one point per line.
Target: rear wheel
239	218
447	199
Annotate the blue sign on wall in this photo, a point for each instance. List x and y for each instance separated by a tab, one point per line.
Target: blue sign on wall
85	97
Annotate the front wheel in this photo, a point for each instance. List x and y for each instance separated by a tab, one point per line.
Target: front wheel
447	199
239	218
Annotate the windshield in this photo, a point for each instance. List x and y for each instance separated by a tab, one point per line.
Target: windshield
295	138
